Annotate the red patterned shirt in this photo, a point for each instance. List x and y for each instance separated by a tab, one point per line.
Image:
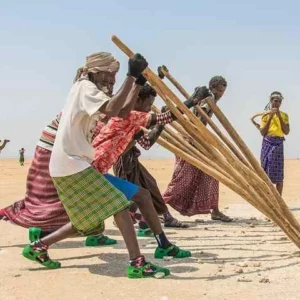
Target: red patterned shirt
115	136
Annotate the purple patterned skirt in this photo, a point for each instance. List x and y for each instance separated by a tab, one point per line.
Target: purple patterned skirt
272	158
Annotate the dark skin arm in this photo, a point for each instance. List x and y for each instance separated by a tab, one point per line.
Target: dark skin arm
254	122
117	102
123	101
130	101
264	130
199	94
152	136
285	127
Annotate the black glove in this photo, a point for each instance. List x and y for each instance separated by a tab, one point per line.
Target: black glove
141	80
160	74
164	109
136	65
200	93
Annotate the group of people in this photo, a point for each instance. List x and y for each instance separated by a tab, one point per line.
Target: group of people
69	191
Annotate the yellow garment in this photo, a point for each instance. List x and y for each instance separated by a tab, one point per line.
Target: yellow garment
275	127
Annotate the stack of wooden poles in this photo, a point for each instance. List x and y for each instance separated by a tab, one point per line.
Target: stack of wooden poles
229	161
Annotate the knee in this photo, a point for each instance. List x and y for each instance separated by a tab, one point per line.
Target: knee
142	196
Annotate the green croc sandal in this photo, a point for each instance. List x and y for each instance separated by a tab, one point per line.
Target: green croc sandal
40	257
34	234
147	271
173	250
92	241
145	232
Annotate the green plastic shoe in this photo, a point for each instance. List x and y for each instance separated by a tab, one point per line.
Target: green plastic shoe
143	272
92	241
33	255
161	252
145	232
34	233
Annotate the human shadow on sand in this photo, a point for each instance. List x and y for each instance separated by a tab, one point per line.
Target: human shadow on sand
114	265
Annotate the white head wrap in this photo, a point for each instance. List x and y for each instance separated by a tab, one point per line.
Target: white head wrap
102	61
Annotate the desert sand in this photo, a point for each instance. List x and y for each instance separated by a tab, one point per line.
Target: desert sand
248	259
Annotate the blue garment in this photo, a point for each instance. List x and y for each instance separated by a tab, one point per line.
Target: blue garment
127	188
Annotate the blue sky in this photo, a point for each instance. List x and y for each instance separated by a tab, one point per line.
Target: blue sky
254	44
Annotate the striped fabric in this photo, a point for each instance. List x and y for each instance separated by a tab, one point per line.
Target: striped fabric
89	198
164	118
48	135
41	206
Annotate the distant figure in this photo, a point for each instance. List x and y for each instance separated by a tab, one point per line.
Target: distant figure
21	159
274	126
4	144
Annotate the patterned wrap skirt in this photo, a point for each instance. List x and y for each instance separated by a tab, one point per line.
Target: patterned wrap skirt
272	158
41	206
191	191
89	198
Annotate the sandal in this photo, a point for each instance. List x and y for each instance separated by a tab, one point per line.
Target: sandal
34	234
145	232
173	250
220	217
146	271
40	257
161	219
92	241
175	223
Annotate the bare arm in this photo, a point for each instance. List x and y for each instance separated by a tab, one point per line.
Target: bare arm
136	65
265	129
254	122
167	116
116	103
148	140
130	101
285	127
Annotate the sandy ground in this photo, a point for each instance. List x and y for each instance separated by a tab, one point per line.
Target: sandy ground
229	261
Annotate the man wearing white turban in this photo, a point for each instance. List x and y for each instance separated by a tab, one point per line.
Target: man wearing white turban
88	197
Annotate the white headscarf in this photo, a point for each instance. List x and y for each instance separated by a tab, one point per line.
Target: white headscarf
102	61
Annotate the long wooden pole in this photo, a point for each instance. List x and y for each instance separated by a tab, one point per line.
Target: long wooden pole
179	87
167	94
181	130
211	123
248	154
165	71
242	192
163	90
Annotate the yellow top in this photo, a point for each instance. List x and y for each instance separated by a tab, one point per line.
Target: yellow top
275	127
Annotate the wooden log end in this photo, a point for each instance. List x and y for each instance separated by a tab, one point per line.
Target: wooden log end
114	38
